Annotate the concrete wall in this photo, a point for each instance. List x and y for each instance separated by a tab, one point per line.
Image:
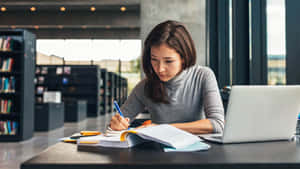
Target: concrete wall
110	65
189	12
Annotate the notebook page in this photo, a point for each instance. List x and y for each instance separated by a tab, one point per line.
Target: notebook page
168	135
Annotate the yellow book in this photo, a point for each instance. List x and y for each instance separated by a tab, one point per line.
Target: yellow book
90	133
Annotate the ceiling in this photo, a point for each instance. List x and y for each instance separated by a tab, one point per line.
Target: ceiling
108	21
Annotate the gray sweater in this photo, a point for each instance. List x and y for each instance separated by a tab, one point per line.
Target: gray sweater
195	89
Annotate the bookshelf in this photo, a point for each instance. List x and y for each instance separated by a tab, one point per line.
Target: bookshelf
124	89
104	92
76	82
49	116
110	86
17	64
117	88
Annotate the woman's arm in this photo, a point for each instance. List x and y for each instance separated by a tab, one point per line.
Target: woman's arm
132	106
212	102
196	127
203	126
213	108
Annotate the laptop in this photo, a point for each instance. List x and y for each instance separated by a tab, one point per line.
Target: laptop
260	113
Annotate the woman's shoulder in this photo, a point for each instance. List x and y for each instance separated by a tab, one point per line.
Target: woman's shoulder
201	70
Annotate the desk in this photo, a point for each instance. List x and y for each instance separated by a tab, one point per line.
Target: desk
273	155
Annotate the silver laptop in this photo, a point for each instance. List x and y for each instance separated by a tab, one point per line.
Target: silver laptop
260	113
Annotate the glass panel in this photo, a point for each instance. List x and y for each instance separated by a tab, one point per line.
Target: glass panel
276	42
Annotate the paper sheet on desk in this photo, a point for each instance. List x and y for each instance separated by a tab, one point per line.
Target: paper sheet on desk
198	146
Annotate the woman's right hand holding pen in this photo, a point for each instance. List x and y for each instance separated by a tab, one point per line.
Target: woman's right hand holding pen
118	122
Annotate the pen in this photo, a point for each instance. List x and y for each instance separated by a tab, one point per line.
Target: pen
118	108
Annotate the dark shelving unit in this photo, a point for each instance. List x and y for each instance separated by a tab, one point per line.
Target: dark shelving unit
76	82
124	90
110	87
116	88
48	116
75	110
17	59
103	92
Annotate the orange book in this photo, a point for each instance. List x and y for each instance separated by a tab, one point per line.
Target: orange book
147	122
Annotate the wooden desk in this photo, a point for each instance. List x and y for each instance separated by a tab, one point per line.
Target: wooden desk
273	155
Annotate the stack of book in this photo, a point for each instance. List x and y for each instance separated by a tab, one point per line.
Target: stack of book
8	127
7	85
6	43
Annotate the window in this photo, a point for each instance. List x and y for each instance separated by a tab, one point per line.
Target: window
276	43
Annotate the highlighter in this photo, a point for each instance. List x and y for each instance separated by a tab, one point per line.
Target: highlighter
90	133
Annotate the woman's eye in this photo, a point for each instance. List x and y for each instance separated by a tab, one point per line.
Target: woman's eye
169	61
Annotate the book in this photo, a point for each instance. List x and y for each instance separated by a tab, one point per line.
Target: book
11	61
44	70
67	70
167	135
1	43
40	90
59	70
9	106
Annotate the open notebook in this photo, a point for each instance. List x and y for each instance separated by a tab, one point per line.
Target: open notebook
171	137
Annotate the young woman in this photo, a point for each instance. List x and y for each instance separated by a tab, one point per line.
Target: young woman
175	90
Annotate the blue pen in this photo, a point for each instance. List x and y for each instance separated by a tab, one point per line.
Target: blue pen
118	108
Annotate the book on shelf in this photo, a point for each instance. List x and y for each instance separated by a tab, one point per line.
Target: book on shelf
8	127
6	44
44	70
59	70
5	106
37	70
6	64
41	80
67	70
7	85
12	84
172	138
1	43
40	90
39	99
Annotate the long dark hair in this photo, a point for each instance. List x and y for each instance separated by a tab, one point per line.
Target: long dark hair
176	36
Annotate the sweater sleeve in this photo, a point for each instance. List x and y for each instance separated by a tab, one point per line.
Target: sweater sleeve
213	106
134	105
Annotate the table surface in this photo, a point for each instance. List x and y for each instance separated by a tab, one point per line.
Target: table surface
278	154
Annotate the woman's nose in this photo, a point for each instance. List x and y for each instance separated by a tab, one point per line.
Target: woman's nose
161	67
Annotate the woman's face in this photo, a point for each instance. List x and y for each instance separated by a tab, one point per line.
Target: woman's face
166	62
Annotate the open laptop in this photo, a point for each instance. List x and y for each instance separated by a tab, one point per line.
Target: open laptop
260	113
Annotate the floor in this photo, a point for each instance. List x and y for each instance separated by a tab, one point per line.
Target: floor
13	154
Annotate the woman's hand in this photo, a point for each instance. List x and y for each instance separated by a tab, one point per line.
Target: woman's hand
118	123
